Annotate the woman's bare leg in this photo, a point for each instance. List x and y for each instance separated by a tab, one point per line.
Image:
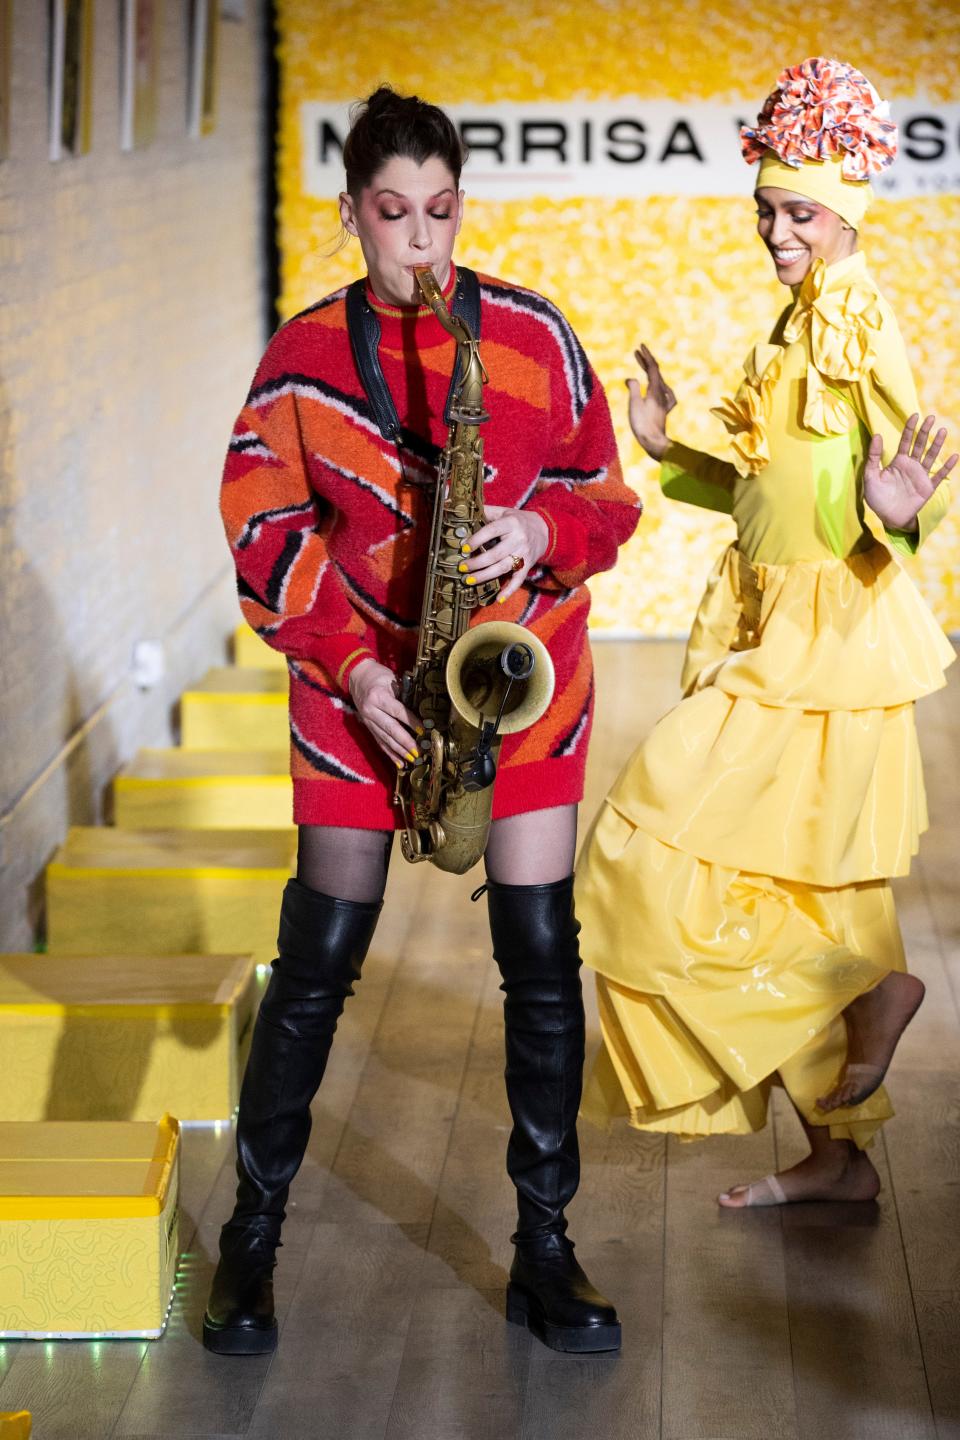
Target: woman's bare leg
875	1022
834	1170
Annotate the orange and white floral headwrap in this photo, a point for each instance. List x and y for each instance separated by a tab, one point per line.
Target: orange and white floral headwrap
822	133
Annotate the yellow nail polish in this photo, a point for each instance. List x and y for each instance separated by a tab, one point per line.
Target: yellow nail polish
462	568
420	730
412	755
465	550
399	764
501	599
471	579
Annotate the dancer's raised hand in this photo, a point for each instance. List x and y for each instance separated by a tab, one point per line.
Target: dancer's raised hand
895	494
649	410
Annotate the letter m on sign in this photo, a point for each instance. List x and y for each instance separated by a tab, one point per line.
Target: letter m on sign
329	143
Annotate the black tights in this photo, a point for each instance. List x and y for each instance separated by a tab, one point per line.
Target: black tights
536	848
346	864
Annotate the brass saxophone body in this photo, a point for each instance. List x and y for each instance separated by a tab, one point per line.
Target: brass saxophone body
469	687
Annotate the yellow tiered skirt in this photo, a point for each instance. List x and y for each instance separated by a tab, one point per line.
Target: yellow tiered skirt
733	890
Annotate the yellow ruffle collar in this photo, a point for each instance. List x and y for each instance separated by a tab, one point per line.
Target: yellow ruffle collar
836	308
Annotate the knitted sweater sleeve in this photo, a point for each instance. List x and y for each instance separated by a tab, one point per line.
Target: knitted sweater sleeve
580	491
277	528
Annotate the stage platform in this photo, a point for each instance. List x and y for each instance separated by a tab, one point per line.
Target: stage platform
124	1037
167	892
236	709
88	1229
204	789
797	1324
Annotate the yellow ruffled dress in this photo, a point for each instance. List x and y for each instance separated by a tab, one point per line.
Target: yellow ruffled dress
733	890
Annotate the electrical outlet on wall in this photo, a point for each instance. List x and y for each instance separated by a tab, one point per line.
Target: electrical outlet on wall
148	666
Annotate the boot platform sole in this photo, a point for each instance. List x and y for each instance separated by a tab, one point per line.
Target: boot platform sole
523	1310
238	1339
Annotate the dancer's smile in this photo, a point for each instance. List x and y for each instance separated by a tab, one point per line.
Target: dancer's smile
798	231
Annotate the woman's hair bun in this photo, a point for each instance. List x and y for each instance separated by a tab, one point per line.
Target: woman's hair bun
380	103
388	124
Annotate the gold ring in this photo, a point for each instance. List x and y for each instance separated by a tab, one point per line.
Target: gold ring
517	563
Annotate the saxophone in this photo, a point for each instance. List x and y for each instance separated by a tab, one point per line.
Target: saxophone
469	686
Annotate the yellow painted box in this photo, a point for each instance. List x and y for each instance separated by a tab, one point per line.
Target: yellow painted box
204	789
236	709
121	1037
15	1425
88	1228
167	892
250	651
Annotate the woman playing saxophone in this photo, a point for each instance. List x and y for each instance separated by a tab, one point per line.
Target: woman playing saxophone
328	498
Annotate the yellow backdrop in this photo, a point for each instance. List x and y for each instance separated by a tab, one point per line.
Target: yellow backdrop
686	274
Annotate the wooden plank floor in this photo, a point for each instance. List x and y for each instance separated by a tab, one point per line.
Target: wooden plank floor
773	1325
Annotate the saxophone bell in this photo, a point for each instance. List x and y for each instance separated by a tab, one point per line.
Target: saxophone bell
499	672
517	663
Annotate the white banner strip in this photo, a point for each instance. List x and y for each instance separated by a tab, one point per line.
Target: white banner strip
629	148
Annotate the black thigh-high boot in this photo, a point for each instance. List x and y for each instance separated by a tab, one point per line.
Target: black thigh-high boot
320	949
535	945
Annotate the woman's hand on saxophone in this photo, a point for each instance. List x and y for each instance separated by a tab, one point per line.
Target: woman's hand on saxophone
648	411
374	692
510	536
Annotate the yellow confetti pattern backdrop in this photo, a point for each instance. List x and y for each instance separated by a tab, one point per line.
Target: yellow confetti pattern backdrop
687	275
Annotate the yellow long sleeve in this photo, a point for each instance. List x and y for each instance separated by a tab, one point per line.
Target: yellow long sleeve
697	478
884	399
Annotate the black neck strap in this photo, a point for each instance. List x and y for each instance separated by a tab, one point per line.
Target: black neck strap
363	327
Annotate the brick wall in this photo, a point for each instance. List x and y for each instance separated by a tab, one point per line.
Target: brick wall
131	303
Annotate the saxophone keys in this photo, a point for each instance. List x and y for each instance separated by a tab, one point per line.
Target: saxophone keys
411	846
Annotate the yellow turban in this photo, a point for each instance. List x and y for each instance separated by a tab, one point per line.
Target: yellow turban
820	180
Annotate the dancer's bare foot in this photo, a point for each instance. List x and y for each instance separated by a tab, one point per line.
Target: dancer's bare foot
839	1172
875	1022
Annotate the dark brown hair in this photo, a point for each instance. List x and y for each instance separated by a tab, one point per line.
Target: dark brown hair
387	124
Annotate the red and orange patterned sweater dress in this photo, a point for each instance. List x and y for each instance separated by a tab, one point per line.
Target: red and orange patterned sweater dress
329	525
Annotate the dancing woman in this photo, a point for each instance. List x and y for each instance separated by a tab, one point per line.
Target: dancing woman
329	518
735	888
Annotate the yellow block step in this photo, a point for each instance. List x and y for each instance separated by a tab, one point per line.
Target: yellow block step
236	709
204	789
15	1425
167	892
120	1037
88	1228
250	650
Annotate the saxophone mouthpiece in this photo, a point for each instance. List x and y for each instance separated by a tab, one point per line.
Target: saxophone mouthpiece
429	288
